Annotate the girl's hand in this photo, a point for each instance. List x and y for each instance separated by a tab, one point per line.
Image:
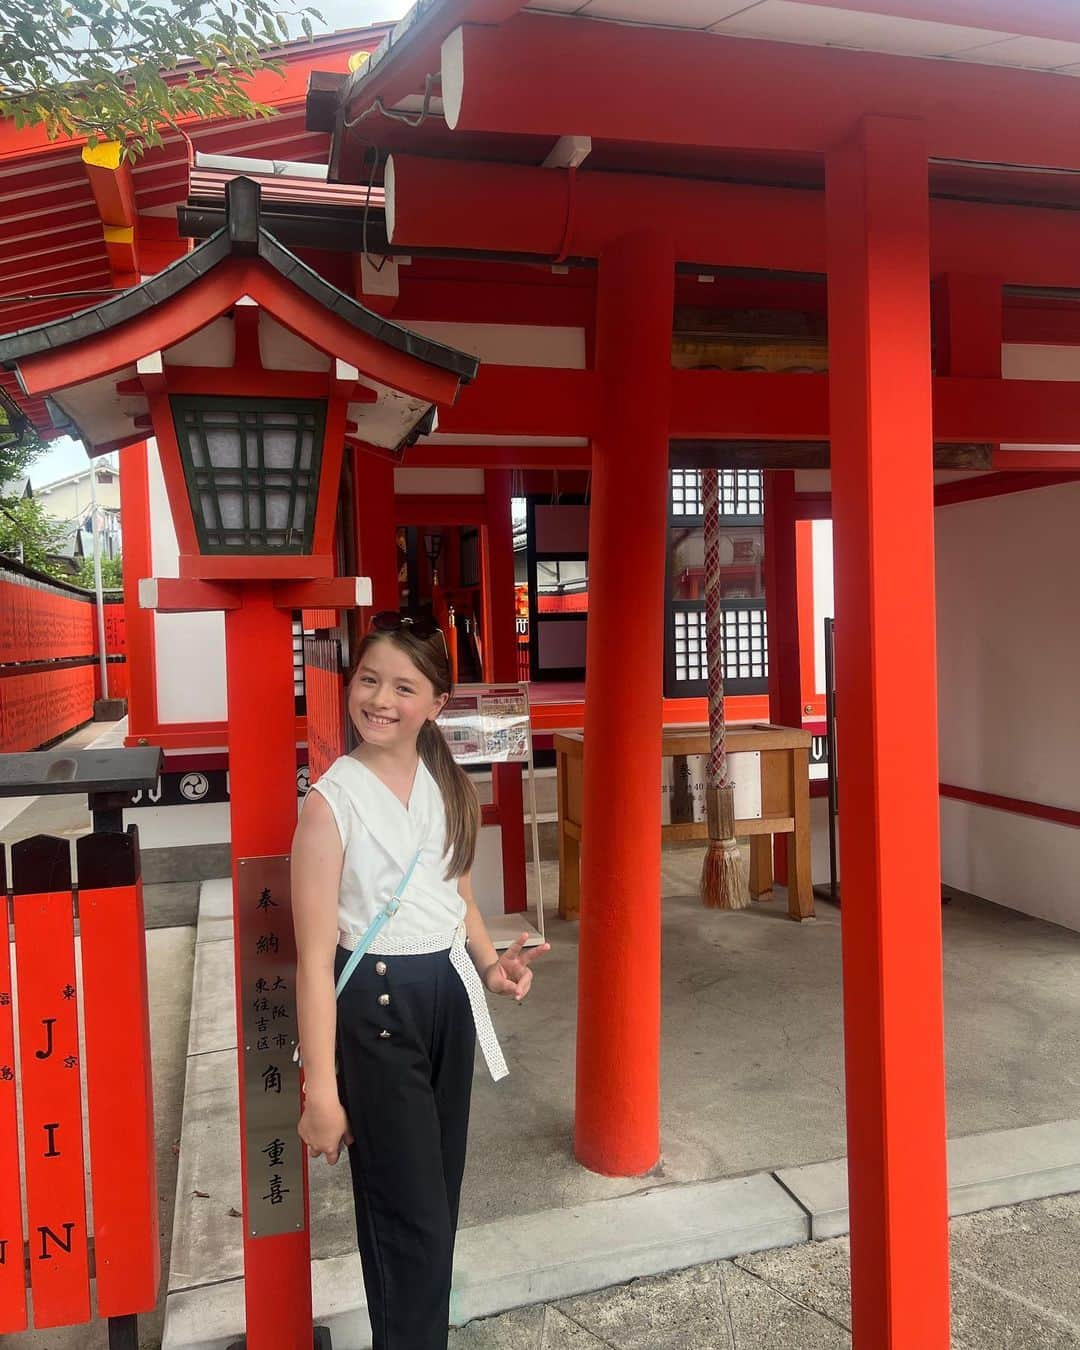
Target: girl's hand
510	975
324	1127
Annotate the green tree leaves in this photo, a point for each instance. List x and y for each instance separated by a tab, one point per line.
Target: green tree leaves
120	70
28	535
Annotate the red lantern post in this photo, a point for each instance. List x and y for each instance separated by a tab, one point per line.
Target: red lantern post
251	443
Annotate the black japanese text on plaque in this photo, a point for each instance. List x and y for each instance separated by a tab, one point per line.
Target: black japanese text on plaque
271	1078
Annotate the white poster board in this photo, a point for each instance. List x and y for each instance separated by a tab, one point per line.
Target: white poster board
490	724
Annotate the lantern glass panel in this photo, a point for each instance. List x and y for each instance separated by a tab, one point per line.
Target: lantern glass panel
252	470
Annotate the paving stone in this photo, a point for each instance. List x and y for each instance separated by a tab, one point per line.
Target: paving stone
985	1315
762	1318
521	1329
817	1274
1028	1250
540	1328
667	1312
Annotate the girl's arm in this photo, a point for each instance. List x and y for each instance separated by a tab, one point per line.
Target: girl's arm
508	974
317	857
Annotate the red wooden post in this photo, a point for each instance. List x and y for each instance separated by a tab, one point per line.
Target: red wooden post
262	792
51	1092
138	563
119	1086
12	1273
782	611
502	644
376	533
883	513
618	1060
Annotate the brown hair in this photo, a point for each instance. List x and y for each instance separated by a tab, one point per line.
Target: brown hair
460	801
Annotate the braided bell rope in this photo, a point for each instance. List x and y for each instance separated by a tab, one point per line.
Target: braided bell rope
717	769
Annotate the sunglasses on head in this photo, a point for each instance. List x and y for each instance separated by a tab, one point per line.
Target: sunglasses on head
421	626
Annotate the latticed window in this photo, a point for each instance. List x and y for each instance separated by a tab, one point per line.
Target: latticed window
741	584
686	493
742	494
746	655
691	662
252	470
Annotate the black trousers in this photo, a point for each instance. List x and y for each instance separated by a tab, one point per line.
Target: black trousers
406	1040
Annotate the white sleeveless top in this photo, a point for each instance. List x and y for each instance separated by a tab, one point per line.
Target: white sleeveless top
380	836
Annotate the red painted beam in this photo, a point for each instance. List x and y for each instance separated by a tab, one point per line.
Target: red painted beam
528	401
996	485
524	401
1058	815
420	509
324	593
628	83
181	595
1052	460
517	208
1026	412
794	407
499	456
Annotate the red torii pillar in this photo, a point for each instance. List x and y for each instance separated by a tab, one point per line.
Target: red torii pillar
617	1123
883	514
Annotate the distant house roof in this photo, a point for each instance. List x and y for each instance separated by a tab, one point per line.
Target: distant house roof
71	546
76	478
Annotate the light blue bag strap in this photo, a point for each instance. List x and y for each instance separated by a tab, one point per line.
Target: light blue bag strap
375	927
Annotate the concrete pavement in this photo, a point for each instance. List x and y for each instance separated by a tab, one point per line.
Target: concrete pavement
1014	1287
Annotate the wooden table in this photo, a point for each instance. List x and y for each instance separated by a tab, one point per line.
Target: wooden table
785	808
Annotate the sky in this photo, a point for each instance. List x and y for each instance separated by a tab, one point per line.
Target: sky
357	13
66	456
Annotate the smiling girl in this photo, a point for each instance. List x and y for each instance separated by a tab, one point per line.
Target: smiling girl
397	821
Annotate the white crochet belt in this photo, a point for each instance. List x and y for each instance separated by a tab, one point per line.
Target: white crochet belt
454	943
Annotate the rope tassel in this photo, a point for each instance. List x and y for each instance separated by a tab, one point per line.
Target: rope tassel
723	884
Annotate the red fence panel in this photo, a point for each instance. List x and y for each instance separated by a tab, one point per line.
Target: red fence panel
37	624
46	632
12	1274
116	1027
42	704
49	1070
115	629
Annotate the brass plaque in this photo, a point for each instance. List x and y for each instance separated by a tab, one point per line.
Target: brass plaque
274	1155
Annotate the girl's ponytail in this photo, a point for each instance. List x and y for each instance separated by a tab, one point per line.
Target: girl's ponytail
459	798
